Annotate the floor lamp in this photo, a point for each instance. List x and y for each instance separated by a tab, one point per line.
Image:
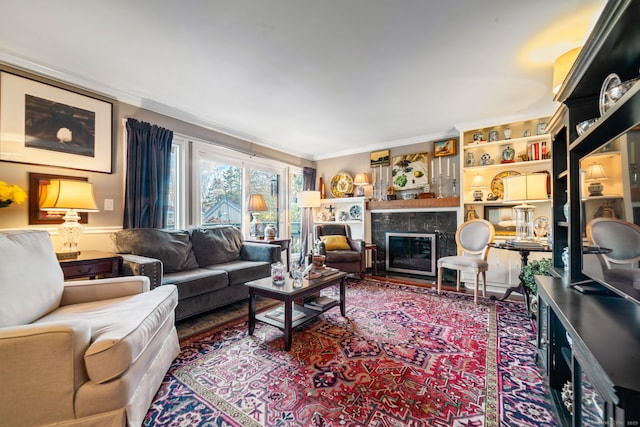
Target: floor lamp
523	189
309	200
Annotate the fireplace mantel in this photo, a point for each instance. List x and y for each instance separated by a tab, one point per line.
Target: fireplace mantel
445	202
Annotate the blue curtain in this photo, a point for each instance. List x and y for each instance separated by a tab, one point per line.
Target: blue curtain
147	175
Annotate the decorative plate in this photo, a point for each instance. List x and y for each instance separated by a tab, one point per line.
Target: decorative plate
497	186
541	226
355	212
340	184
605	103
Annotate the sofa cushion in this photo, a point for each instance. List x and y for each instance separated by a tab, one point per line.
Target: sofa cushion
334	243
121	328
198	281
172	247
215	245
28	291
244	271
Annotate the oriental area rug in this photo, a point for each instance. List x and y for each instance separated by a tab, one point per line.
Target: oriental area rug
402	356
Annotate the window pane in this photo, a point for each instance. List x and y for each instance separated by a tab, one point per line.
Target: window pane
295	185
220	193
266	184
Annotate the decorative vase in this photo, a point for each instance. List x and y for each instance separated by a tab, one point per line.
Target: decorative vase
278	273
508	154
270	232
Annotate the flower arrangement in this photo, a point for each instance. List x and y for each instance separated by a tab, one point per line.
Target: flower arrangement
10	194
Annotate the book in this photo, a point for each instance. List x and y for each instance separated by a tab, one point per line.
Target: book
318	303
316	273
523	245
278	314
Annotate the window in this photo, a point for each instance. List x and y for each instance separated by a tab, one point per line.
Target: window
295	217
175	210
220	190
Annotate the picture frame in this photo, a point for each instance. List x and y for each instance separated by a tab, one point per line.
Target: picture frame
380	158
503	219
445	147
38	193
410	171
46	125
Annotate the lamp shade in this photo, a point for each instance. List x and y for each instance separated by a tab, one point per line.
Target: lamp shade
309	199
361	179
69	194
561	68
595	172
478	182
520	188
256	203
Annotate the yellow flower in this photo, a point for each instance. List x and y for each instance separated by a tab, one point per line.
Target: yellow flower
10	194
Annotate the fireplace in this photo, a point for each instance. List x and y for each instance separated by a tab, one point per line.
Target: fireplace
413	253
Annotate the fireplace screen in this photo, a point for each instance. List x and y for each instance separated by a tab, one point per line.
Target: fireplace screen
413	253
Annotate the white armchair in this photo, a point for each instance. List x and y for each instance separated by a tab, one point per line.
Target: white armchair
79	353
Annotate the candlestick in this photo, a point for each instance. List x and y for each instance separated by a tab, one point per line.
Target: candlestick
440	165
448	162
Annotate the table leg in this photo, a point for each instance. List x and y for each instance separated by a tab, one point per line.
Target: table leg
287	324
524	258
252	311
343	296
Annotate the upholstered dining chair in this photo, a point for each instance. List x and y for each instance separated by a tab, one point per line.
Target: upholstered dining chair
472	238
341	250
620	266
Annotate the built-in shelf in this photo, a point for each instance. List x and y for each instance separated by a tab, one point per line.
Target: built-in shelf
498	165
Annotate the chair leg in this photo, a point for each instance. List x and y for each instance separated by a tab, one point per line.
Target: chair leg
439	279
475	292
484	283
458	280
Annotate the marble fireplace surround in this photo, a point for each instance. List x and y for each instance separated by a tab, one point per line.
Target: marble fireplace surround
442	223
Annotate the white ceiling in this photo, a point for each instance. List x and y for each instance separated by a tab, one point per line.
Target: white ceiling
317	79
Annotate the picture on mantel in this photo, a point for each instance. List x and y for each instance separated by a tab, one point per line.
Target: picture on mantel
410	171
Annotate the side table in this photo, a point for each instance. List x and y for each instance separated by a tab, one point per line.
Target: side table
92	264
373	248
285	245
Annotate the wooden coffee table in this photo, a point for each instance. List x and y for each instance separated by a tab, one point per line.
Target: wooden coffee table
289	295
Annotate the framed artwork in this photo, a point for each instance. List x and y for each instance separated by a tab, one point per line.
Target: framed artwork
38	193
446	147
410	171
380	158
46	125
503	219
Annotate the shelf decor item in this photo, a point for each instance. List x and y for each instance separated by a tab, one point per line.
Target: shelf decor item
477	184
341	184
361	180
595	174
524	189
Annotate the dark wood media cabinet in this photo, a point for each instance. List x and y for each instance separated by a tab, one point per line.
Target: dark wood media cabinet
593	342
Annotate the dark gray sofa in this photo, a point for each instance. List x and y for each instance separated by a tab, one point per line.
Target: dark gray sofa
208	265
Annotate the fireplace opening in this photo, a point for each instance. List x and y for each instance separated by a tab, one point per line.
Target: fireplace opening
413	253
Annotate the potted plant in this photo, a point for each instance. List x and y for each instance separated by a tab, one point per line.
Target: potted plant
537	267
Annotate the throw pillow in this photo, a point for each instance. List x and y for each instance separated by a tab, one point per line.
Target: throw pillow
216	245
172	247
333	243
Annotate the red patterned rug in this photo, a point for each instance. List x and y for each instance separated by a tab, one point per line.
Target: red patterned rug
403	356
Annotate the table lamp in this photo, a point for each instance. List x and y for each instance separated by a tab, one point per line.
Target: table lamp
309	199
71	196
523	189
360	181
256	204
595	174
477	184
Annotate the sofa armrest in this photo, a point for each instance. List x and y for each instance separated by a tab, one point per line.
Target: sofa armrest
137	265
79	291
260	252
42	367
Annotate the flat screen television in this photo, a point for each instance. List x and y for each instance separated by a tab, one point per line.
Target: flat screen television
610	187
